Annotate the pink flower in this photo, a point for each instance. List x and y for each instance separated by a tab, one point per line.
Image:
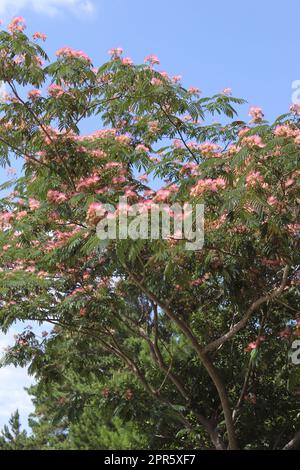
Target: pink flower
156	81
273	201
209	149
55	90
243	131
127	61
56	197
86	183
34	204
141	148
17	24
254	344
153	127
295	109
115	52
123	139
162	195
256	113
176	78
194	90
284	130
207	184
34	94
38	35
6	217
148	192
164	74
227	91
250	346
253	141
297	139
68	52
143	178
177	143
20	215
289	182
151	59
254	178
197	282
95	212
97	153
118	179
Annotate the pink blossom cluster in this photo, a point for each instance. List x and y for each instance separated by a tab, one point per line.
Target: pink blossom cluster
99	134
127	61
176	78
73	53
88	182
110	165
56	197
39	35
207	184
273	201
197	282
284	130
50	135
153	127
294	229
55	90
123	139
227	91
253	141
34	204
95	212
151	59
254	344
194	90
189	168
34	94
295	109
156	81
253	179
20	215
118	179
141	148
64	236
243	131
97	153
177	144
233	149
209	149
6	218
115	52
256	113
17	24
164	193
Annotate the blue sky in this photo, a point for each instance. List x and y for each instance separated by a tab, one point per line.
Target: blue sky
251	48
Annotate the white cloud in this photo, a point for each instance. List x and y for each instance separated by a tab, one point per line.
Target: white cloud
47	7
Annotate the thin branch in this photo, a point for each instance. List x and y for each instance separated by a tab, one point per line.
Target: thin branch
254	306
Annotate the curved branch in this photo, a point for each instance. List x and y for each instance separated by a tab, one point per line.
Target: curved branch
254	306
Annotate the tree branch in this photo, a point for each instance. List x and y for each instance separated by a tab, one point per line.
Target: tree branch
254	306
